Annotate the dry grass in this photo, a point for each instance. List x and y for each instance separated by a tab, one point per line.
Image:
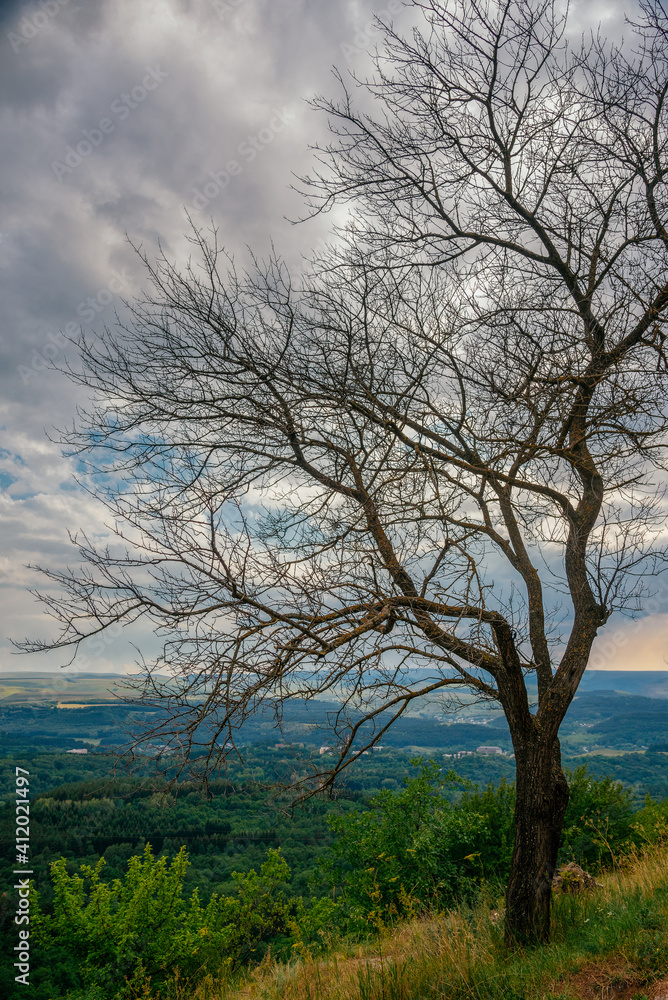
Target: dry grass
613	942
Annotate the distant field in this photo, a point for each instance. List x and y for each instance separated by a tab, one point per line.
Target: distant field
6	691
34	688
81	704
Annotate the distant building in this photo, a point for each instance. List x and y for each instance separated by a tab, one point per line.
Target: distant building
489	750
85	750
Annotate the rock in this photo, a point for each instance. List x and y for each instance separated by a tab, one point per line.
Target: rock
573	879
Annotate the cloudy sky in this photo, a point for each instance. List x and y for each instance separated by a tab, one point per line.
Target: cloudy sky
114	115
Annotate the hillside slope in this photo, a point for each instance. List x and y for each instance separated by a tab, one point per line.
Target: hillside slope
611	943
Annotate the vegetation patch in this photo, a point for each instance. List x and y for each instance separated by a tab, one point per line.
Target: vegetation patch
612	943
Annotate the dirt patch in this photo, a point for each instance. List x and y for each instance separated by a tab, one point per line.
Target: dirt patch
613	981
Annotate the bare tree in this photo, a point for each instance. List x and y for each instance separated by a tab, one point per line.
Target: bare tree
445	448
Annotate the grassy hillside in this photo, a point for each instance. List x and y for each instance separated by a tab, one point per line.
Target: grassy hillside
610	943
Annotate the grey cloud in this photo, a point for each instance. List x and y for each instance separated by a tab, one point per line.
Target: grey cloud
230	65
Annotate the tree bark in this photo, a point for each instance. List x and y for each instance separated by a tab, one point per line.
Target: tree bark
542	798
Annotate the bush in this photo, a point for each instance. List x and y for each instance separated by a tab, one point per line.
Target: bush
496	806
134	930
410	850
651	822
413	849
599	822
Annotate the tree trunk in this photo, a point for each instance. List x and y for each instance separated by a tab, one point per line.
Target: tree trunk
542	797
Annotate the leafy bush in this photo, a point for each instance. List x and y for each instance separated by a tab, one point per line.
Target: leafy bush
410	850
496	806
413	849
599	822
136	929
651	822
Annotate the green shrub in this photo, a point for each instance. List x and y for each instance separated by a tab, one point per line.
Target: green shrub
413	849
410	850
496	806
651	822
599	822
137	929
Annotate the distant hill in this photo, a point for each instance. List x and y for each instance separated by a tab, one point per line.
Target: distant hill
613	710
595	705
650	683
